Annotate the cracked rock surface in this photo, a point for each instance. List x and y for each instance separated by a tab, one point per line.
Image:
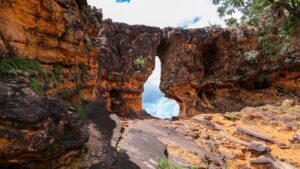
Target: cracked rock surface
213	140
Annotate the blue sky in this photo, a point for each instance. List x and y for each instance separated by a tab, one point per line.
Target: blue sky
160	13
122	1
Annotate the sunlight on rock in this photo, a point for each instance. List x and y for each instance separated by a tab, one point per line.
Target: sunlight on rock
154	101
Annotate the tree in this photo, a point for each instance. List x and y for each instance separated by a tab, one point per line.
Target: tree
275	20
252	10
231	21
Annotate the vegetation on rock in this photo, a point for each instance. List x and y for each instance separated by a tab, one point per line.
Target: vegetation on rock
80	110
253	10
36	86
165	164
16	63
275	20
87	40
139	63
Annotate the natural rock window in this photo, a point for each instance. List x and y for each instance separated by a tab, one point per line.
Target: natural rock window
154	101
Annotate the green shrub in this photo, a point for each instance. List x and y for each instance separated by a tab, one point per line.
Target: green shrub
139	63
36	86
231	22
79	109
165	164
287	29
16	63
87	40
86	13
265	42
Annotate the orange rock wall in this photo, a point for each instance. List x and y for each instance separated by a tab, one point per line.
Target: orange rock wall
207	71
53	33
84	57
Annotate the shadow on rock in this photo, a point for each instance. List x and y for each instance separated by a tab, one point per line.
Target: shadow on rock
104	154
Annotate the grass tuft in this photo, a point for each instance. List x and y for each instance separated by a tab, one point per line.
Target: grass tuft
16	63
36	86
165	164
79	109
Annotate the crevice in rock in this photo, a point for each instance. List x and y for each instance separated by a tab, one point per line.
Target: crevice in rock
117	147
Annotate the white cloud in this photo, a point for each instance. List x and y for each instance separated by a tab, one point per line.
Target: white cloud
154	79
161	13
189	23
154	101
165	108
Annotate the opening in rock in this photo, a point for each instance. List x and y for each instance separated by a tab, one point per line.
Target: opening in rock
154	101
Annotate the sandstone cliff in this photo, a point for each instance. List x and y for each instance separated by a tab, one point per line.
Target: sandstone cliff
209	70
203	70
84	58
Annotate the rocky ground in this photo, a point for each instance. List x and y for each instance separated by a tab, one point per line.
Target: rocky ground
37	131
261	137
53	135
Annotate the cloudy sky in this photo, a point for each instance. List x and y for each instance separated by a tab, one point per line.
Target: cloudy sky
153	99
160	13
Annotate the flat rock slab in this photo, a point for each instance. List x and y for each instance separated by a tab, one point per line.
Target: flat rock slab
146	142
142	148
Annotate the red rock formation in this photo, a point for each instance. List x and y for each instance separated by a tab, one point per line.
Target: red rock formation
126	61
84	57
203	70
58	35
208	71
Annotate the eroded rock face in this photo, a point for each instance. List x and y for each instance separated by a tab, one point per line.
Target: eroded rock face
209	71
203	70
58	34
126	61
38	132
83	57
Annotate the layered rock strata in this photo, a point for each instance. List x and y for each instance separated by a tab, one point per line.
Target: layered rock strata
225	70
203	70
84	58
58	34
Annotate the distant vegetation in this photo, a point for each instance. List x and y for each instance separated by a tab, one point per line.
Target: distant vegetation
275	20
254	10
